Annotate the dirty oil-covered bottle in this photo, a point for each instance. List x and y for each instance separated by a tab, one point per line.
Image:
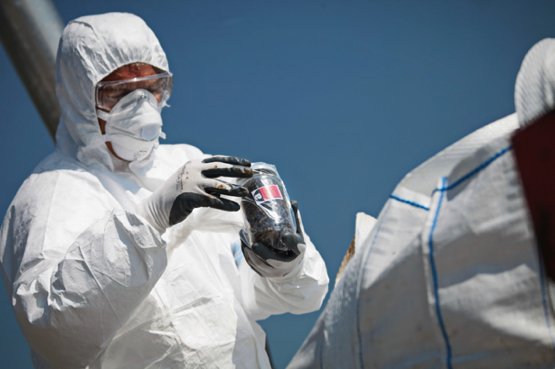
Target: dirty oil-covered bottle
267	210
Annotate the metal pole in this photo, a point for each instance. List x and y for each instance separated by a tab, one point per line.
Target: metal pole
30	31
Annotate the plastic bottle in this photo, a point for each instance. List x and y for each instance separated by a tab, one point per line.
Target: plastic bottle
267	209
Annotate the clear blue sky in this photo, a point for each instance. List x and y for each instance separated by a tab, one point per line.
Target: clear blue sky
343	96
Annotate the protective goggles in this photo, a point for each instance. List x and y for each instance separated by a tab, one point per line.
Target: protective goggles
108	93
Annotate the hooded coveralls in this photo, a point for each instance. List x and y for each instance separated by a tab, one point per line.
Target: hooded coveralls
94	285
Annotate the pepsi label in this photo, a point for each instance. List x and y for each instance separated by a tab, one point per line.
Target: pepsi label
267	193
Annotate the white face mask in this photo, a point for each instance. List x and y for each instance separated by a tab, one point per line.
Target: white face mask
134	125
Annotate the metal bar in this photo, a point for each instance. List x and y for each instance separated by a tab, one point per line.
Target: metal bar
30	31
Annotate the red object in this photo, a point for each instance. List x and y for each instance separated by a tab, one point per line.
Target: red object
271	192
534	150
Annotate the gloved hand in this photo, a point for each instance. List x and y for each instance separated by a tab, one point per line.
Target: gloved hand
267	260
193	186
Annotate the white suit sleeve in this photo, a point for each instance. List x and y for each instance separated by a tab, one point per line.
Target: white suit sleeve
76	266
301	291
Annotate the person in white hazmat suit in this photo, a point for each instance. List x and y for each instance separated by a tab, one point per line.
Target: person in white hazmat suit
117	251
449	276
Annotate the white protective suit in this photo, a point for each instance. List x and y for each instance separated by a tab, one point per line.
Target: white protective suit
449	277
94	285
